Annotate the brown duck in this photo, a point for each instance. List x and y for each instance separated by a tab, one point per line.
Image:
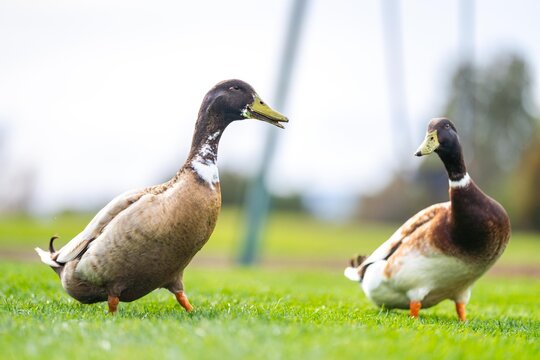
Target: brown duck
144	239
440	252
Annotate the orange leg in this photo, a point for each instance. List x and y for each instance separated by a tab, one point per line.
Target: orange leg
183	300
460	309
113	303
415	307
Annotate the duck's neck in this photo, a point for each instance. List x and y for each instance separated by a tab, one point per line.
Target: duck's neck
465	199
459	180
455	166
202	158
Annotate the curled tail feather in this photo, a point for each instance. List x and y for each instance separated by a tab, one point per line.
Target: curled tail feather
357	261
51	247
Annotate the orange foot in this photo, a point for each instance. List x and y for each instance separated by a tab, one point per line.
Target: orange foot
460	309
183	300
113	303
415	306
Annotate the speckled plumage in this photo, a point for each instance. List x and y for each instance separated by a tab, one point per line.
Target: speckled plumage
144	239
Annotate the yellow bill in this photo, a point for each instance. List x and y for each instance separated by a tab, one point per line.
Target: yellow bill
260	111
430	144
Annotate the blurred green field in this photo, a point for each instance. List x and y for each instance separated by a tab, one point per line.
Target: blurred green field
290	236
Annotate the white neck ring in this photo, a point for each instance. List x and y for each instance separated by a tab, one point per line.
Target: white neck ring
461	183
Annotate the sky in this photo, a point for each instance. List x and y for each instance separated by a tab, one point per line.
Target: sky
97	97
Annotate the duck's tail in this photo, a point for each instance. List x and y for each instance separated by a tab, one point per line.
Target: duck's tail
48	257
353	271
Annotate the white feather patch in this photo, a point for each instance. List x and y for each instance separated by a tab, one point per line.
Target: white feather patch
205	168
351	273
420	278
463	182
46	257
208	171
214	136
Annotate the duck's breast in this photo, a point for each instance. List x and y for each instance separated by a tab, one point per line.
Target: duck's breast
480	225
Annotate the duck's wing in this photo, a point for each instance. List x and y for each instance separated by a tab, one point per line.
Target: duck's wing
79	243
402	236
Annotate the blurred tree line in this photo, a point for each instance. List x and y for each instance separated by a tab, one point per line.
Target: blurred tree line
233	191
492	108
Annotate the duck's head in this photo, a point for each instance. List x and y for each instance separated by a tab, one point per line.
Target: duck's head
232	100
441	137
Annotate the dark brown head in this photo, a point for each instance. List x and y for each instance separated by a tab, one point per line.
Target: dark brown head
441	137
232	100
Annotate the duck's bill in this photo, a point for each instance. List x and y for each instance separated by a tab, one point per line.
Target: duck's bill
260	111
429	145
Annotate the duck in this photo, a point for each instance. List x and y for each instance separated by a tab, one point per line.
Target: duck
440	252
144	239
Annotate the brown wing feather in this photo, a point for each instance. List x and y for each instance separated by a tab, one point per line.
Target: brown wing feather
408	235
422	236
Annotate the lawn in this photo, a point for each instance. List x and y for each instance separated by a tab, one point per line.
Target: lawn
261	314
306	311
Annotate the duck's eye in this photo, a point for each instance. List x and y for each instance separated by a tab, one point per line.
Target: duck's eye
234	87
447	126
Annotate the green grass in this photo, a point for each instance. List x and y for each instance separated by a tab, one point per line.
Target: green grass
309	313
261	314
289	236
